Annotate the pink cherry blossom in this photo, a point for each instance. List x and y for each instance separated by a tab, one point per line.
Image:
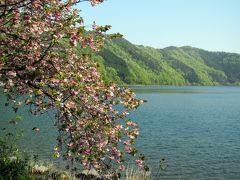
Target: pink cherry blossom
11	73
41	44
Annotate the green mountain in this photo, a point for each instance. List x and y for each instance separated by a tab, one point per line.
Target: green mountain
126	63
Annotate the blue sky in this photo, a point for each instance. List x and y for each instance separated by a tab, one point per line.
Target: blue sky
209	24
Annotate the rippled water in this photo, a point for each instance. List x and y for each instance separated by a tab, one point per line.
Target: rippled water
195	129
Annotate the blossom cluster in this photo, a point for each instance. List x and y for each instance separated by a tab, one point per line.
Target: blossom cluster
38	42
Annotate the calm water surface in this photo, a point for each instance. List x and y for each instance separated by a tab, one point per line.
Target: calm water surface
195	129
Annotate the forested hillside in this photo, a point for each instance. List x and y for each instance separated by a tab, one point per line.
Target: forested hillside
126	63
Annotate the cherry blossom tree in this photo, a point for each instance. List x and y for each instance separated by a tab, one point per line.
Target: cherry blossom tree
39	62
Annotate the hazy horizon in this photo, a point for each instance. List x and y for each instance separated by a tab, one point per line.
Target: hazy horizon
209	25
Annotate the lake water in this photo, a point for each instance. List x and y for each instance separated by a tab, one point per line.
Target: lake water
195	129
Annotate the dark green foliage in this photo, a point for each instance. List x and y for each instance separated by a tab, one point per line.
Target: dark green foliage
14	164
126	63
113	61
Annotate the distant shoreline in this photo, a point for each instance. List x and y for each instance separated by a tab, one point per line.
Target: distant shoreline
141	85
